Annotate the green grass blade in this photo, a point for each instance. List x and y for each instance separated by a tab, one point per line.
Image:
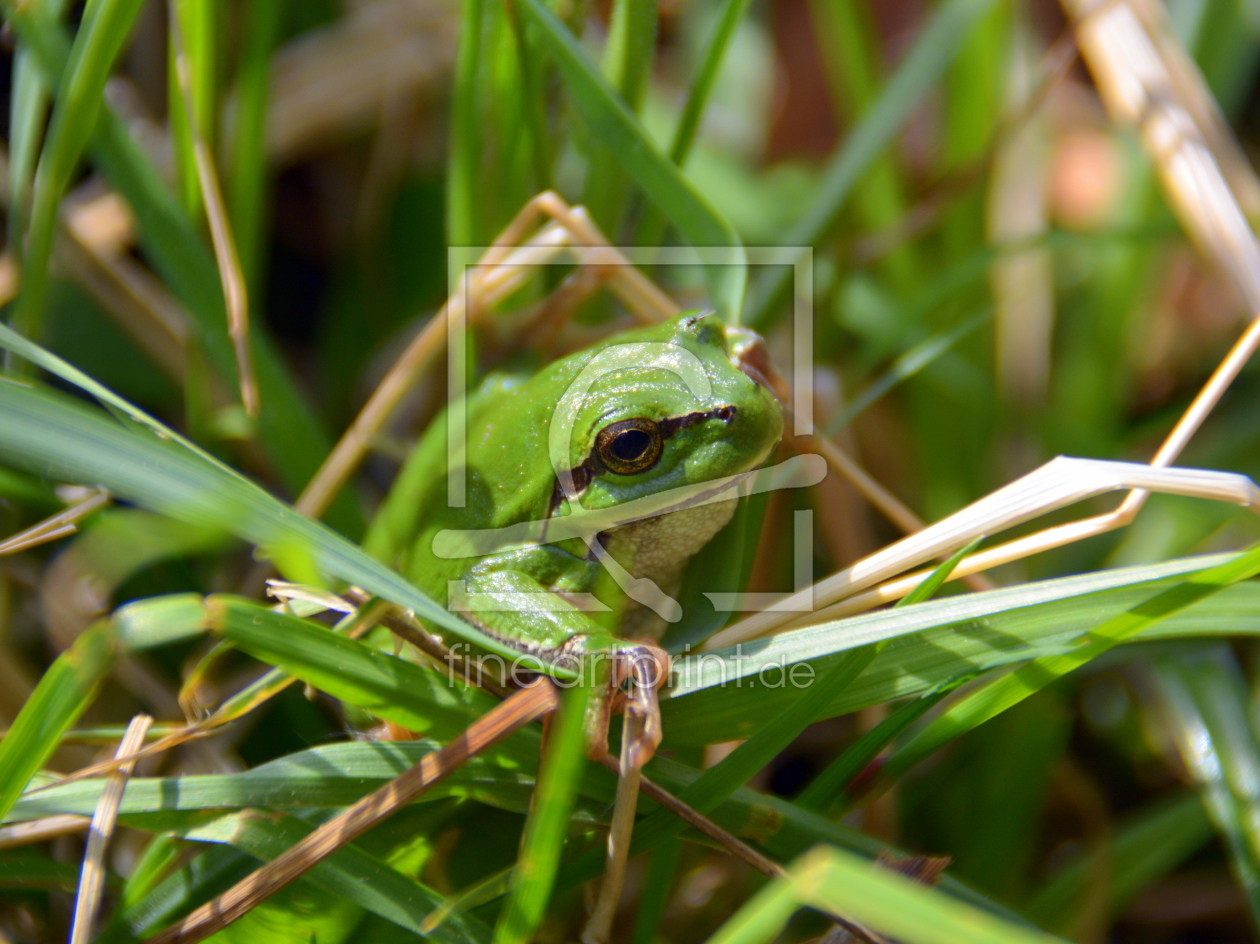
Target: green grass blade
462	177
350	872
837	776
194	21
826	788
28	111
246	184
1024	681
209	874
158	621
906	366
652	229
733	12
609	119
548	823
920	70
1207	700
763	917
628	57
891	904
65	690
106	25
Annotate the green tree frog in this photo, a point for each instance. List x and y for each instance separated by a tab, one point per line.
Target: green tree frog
586	490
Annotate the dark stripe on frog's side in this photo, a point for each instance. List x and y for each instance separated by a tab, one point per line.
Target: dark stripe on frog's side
667	427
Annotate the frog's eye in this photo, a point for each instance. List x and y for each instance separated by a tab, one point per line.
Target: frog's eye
629	446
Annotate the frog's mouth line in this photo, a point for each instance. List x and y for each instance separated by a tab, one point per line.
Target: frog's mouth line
582	475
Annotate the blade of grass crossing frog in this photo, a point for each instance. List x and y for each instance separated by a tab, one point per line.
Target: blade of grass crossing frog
57	436
1147	846
105	27
61	696
608	119
1013	688
1218	742
918	72
548	823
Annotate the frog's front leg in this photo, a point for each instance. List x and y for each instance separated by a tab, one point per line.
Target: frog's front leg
540	601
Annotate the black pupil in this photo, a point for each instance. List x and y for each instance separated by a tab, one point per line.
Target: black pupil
630	445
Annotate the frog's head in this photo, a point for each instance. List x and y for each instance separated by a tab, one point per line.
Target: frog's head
669	406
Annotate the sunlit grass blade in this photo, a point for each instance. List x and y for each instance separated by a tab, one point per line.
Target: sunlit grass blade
64	692
935	46
879	898
1011	689
339	774
652	228
106	25
1148	845
1206	700
518	710
548	822
607	118
722	691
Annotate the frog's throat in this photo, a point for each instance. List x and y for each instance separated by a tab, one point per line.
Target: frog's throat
570	486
